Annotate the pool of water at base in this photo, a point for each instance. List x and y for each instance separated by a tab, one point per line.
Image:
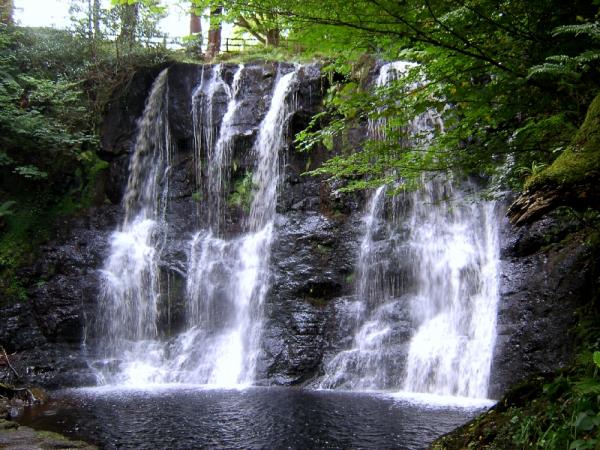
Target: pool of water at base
189	417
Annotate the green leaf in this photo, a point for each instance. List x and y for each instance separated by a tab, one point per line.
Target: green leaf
5	160
31	172
596	358
587	421
5	208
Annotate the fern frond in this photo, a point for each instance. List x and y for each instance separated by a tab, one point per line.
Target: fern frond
550	69
559	59
588	57
590	29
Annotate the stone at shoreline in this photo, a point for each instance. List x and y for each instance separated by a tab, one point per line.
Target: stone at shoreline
15	436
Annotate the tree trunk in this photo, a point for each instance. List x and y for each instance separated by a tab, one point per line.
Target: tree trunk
90	21
7	8
214	33
196	31
273	37
96	8
129	20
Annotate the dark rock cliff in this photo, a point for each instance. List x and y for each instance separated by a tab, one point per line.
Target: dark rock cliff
547	274
312	262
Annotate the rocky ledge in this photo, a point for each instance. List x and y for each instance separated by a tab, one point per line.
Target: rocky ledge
16	437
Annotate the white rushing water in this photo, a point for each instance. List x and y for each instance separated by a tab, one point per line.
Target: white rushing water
130	277
227	279
456	251
213	136
446	300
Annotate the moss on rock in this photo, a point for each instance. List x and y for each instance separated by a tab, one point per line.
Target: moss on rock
12	435
571	180
581	160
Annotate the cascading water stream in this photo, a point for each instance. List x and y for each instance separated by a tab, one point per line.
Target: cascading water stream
220	158
228	279
208	125
455	249
130	277
448	295
364	366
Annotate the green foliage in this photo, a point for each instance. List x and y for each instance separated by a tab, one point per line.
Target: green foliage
570	421
564	66
197	196
261	19
54	87
241	197
42	116
478	58
262	53
6	208
596	358
23	229
153	5
581	160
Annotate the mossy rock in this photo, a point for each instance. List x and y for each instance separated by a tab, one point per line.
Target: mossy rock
12	435
580	161
571	180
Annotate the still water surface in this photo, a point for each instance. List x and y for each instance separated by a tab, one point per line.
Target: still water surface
271	418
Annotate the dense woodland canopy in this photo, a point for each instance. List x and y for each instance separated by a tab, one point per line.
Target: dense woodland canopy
511	79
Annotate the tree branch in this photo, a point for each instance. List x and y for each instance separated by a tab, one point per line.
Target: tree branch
8	362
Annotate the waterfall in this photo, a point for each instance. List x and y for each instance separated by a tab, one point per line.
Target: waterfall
455	249
130	277
426	294
228	279
422	317
369	363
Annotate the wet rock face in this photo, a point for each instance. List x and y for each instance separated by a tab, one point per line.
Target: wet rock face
312	263
547	274
118	130
44	334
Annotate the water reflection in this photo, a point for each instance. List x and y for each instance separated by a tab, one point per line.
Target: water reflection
191	417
